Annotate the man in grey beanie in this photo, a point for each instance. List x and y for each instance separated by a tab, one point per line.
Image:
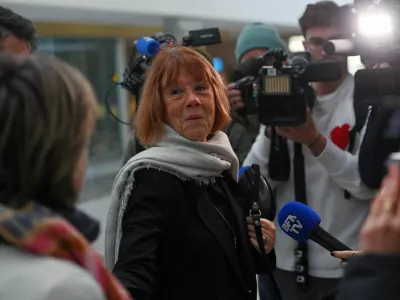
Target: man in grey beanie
253	41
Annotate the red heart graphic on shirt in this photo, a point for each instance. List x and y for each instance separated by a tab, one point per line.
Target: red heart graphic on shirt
341	136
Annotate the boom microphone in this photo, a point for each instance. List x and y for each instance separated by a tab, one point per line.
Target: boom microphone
147	46
301	223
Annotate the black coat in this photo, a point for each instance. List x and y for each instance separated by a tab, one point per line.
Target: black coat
176	246
371	277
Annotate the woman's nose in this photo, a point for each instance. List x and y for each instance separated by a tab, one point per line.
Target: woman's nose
192	99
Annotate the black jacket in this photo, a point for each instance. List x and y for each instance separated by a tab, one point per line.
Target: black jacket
376	146
371	277
176	246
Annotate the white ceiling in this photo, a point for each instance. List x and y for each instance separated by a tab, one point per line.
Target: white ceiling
225	14
75	14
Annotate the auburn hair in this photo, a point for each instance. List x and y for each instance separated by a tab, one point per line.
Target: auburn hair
164	71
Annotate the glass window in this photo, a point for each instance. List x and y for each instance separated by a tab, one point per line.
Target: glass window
96	59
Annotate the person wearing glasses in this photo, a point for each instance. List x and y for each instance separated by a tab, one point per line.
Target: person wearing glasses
17	34
332	180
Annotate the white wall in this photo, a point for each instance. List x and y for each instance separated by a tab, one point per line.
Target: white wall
276	12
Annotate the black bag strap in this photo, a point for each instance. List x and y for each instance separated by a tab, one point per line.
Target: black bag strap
301	251
255	213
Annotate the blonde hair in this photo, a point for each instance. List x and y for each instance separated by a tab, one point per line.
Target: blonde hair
46	108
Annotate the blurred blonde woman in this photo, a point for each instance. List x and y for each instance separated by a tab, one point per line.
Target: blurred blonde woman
47	115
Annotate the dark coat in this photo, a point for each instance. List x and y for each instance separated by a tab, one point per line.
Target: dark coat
176	246
371	277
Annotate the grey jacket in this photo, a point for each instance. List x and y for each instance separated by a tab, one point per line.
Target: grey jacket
26	276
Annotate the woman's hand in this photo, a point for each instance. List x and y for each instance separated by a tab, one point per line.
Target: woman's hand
268	231
381	230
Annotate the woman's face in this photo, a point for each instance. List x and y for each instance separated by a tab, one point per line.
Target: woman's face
190	107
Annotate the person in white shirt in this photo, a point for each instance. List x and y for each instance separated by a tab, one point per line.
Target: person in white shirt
330	169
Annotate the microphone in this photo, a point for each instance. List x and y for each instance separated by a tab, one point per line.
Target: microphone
342	46
301	223
242	170
147	46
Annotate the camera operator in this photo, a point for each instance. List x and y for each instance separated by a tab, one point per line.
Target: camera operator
17	34
331	171
253	41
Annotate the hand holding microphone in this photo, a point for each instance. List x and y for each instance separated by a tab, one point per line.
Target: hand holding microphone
301	223
381	231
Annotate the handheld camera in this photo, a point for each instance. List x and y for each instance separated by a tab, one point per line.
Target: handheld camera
148	47
280	93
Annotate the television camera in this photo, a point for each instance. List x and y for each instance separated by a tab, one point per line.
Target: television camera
280	93
148	47
374	33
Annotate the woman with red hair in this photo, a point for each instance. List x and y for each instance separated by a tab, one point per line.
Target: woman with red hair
177	224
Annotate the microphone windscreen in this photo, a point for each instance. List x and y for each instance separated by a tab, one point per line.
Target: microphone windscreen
298	220
147	46
242	170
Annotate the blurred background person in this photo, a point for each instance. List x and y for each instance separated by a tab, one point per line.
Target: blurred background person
177	224
253	41
47	116
17	34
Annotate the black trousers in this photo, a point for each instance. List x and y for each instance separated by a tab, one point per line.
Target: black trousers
319	289
265	287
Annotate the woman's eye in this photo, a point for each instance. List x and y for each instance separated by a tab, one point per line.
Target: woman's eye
201	87
175	92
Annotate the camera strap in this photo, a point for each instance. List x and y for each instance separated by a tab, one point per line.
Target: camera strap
255	214
301	251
